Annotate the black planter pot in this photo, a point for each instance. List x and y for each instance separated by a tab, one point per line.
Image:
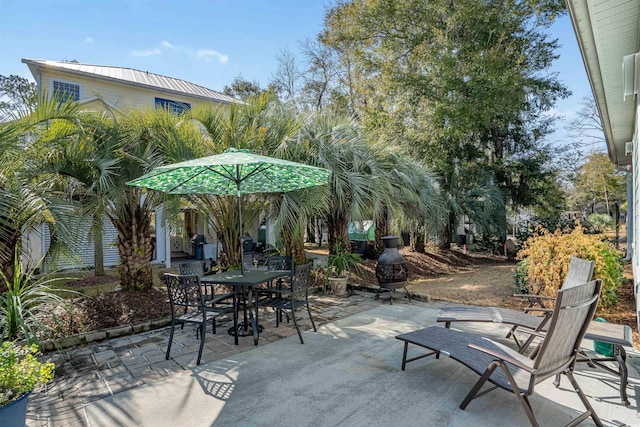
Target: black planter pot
391	271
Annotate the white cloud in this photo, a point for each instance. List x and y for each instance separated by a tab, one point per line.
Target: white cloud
88	39
209	54
155	51
168	45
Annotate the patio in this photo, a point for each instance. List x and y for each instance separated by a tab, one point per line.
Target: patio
346	374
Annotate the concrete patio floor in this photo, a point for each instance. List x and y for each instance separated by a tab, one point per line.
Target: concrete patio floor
347	374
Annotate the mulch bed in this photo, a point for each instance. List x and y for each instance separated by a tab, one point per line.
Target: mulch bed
119	308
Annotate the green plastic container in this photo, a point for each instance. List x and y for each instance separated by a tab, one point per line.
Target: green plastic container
600	347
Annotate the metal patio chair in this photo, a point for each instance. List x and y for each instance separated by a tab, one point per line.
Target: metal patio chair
187	306
517	373
217	303
291	296
277	263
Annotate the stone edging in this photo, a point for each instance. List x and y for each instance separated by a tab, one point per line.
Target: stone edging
376	289
119	331
94	336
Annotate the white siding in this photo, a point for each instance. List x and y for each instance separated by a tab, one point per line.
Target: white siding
635	255
84	252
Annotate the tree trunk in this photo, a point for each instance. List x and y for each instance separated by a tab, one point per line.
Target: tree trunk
445	239
382	229
7	255
447	232
98	251
338	232
134	245
319	226
606	196
418	242
295	247
311	234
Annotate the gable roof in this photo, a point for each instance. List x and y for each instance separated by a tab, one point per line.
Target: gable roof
130	76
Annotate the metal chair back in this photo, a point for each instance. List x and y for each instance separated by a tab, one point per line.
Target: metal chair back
574	309
280	262
184	292
191	269
301	279
580	271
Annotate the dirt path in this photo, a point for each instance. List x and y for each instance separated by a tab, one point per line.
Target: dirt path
489	284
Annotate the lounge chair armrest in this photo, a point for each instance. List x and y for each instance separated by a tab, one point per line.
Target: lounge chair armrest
546	311
540	297
524	296
502	357
540	334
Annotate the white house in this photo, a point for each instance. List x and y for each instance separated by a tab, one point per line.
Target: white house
93	86
608	34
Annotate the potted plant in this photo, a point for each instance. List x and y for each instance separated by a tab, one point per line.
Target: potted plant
20	373
339	265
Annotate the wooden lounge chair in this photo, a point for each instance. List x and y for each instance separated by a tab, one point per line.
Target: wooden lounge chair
519	374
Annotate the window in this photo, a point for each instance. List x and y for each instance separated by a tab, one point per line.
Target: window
66	91
173	106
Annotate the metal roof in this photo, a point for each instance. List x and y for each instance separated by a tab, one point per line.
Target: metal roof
130	76
607	30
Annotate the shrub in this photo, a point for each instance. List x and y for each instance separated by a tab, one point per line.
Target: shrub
520	274
537	225
26	304
20	371
601	221
548	255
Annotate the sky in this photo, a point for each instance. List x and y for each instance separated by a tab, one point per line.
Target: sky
207	42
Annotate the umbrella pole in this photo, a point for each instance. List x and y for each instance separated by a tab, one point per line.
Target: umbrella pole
240	239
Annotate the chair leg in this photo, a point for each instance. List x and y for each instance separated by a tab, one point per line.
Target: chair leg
295	322
213	322
583	398
524	401
173	326
478	385
202	328
311	317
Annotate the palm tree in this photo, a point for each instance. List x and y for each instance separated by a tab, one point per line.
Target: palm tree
337	144
407	194
470	191
95	165
146	139
83	165
259	125
25	204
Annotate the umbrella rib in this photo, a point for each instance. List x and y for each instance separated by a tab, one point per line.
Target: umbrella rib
276	184
261	168
184	182
225	176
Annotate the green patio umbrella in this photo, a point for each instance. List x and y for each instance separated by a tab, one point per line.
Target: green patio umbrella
234	172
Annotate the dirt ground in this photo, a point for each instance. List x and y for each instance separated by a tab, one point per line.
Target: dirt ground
452	276
490	285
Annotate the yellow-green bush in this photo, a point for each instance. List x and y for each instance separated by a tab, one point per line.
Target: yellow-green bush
546	259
